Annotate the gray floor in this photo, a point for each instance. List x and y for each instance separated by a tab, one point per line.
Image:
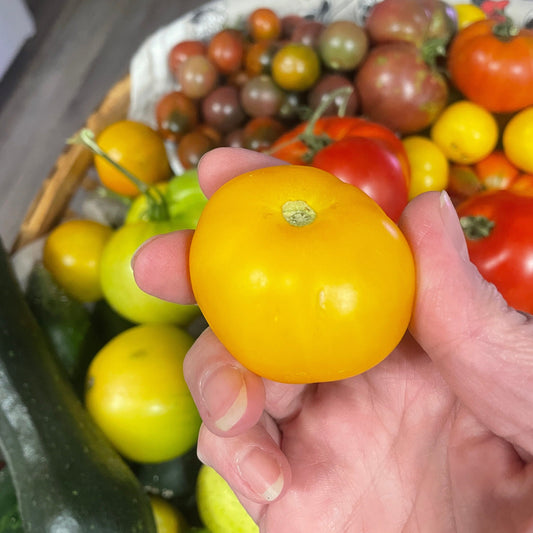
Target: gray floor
82	47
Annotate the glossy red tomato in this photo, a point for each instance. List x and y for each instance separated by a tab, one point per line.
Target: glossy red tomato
291	148
499	233
368	164
490	62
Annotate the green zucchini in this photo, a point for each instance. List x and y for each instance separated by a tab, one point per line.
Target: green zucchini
66	322
9	514
66	475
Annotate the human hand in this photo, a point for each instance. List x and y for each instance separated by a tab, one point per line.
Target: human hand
436	438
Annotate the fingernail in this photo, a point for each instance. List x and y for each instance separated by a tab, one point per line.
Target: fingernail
224	395
262	473
138	250
451	224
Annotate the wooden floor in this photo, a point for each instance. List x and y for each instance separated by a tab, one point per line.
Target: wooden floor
81	48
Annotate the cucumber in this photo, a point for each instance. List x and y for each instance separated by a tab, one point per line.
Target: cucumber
67	477
66	322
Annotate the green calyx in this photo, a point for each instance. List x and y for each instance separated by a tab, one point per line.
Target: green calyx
476	227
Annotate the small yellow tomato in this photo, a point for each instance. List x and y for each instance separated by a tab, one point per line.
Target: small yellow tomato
72	254
136	147
301	276
429	166
468	14
168	519
137	395
296	67
518	140
465	132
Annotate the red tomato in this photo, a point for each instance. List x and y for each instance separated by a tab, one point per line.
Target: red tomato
490	62
499	233
368	164
291	148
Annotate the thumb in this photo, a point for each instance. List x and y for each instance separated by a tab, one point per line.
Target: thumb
482	347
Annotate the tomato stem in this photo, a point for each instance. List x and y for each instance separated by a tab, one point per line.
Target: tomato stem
298	213
156	200
476	227
505	29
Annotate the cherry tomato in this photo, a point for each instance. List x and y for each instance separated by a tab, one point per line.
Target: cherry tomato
72	254
429	166
226	50
168	518
371	166
197	76
518	140
468	14
183	50
342	45
496	171
465	132
176	114
301	276
499	233
118	283
192	147
137	395
264	24
260	133
296	67
137	148
523	184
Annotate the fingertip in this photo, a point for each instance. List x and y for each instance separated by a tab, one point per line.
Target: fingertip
161	267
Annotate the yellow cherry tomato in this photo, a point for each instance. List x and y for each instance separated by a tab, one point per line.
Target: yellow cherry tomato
429	166
136	147
465	132
518	140
72	254
296	67
301	276
136	393
468	14
168	519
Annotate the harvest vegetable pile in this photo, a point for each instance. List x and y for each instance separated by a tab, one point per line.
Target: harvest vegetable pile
424	96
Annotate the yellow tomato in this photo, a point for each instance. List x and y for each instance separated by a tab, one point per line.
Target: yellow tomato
72	254
296	67
468	14
465	132
518	140
136	147
429	166
136	393
168	518
300	275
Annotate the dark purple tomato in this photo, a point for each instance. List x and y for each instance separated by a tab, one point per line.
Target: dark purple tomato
327	84
308	32
260	96
398	89
235	138
192	147
289	23
222	109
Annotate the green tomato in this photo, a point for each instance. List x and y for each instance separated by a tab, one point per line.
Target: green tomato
119	286
183	197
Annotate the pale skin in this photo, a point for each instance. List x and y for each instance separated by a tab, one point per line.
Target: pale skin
436	438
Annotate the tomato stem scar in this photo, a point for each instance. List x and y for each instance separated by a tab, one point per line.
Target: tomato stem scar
298	213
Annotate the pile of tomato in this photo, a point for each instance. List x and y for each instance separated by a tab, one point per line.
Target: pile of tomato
423	96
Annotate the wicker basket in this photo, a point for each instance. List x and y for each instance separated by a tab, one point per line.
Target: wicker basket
51	203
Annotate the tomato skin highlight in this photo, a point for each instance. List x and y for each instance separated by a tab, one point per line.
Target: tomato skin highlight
318	302
504	257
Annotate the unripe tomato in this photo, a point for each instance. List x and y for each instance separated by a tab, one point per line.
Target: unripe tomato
301	276
137	395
